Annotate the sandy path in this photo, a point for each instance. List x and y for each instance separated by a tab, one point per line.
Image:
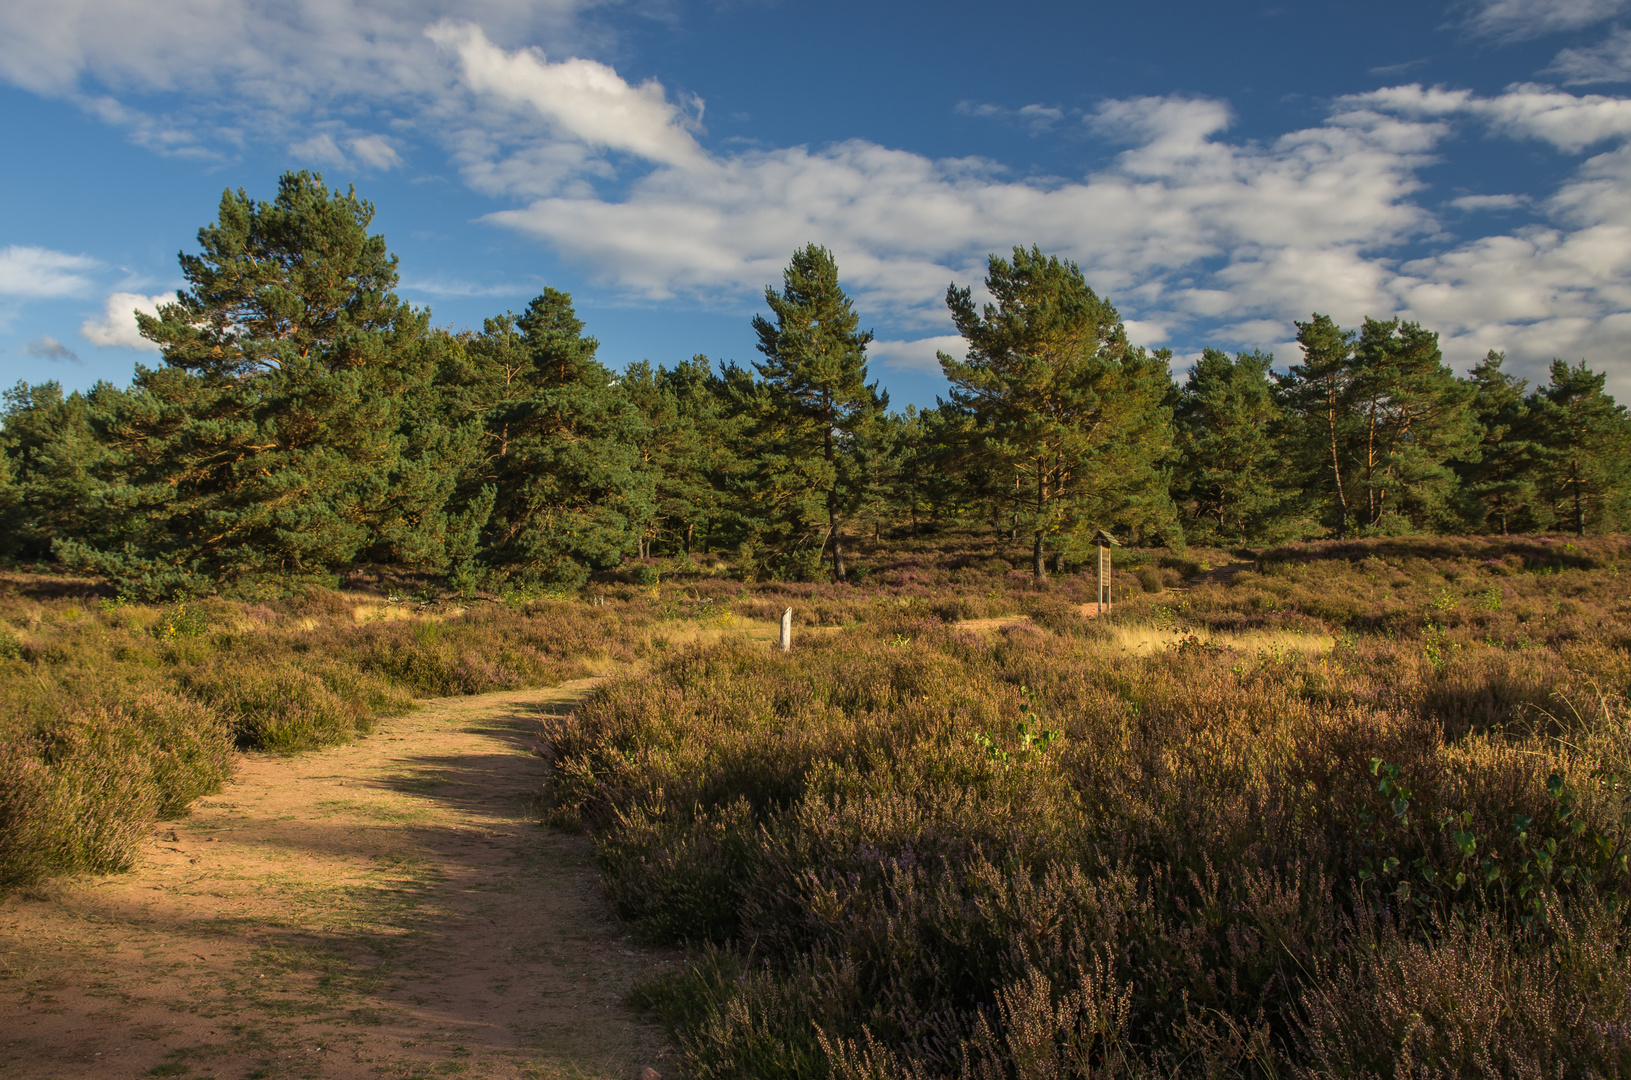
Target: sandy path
384	909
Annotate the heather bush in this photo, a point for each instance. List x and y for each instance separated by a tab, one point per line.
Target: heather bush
80	781
906	848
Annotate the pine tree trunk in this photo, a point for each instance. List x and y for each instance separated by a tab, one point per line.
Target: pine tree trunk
1059	562
837	555
1579	512
1336	468
690	527
1039	565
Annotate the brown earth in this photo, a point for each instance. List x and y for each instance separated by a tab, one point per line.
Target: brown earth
389	908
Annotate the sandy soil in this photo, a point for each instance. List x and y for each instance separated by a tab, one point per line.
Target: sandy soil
389	908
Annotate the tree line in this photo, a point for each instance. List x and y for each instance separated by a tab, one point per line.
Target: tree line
305	420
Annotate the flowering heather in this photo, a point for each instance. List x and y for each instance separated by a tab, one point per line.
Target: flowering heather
1345	810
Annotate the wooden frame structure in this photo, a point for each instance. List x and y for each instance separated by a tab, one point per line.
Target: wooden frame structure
1105	542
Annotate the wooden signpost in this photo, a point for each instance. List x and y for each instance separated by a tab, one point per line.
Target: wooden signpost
1105	542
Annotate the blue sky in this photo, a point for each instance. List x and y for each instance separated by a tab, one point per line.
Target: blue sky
1218	169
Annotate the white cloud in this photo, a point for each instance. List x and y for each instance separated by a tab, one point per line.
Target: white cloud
1570	122
1037	119
921	355
370	151
902	226
319	149
248	69
117	326
450	287
39	273
1514	20
375	151
1475	204
1607	61
581	100
1144	332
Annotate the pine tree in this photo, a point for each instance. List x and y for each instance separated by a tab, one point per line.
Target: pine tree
1499	478
1228	464
264	453
1068	423
684	450
55	456
1585	450
570	496
1320	424
11	499
1416	425
816	425
298	278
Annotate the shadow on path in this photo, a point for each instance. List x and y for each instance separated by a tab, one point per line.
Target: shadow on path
386	908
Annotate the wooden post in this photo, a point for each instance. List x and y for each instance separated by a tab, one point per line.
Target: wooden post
1104	572
787	629
1105	542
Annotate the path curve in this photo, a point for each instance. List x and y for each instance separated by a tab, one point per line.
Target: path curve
388	908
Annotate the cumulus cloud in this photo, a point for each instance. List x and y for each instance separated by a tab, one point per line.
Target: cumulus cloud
902	225
1515	20
1190	233
117	326
370	151
50	349
319	149
37	272
375	151
447	287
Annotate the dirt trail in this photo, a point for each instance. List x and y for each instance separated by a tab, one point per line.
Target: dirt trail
383	909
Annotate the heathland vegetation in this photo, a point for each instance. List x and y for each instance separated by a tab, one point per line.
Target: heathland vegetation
1356	810
1339	789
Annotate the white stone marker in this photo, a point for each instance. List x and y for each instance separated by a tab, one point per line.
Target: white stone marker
787	629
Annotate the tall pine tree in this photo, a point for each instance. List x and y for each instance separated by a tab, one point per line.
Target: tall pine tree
1498	479
1320	425
570	493
265	452
1225	479
815	430
1415	422
1070	425
1585	450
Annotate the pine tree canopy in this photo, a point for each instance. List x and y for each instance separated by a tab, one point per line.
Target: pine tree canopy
305	421
815	432
296	278
1071	422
